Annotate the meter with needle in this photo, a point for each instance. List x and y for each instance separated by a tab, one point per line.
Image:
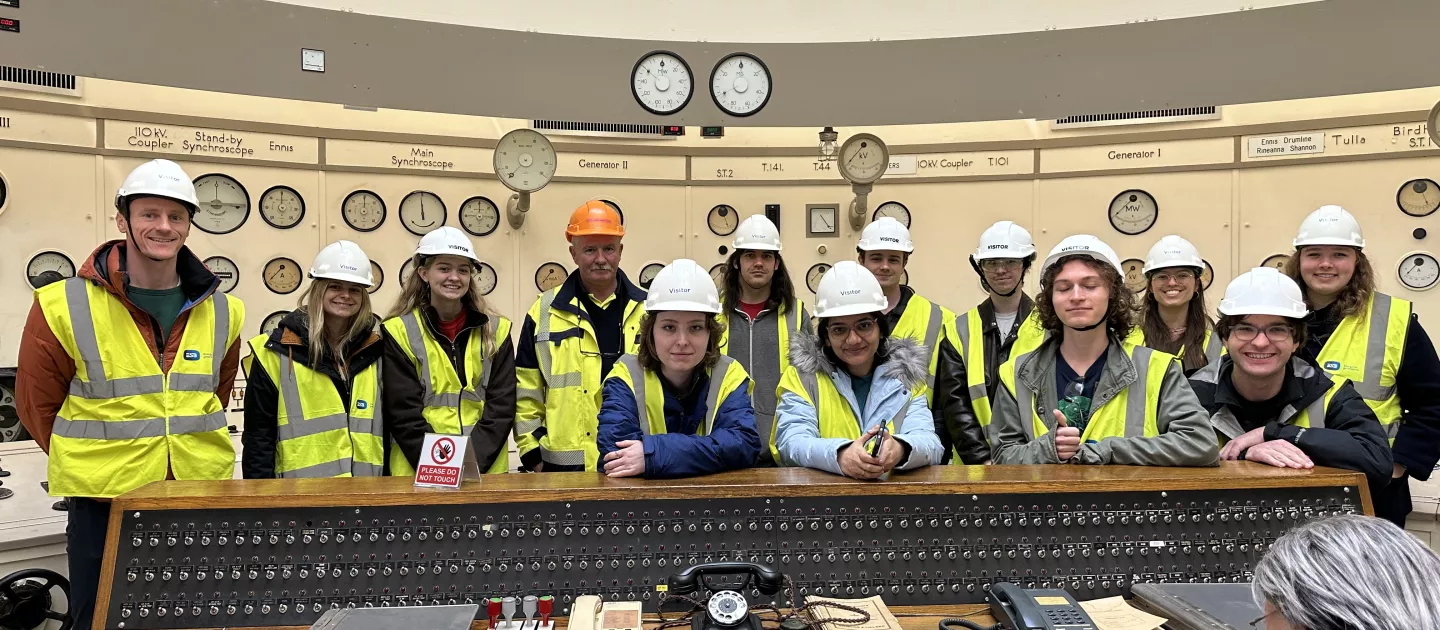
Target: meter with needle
421	212
525	163
862	160
224	204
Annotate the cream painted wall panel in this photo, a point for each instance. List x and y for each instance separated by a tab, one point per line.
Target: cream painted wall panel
41	214
1273	201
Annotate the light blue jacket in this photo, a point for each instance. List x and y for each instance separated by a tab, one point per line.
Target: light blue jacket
797	434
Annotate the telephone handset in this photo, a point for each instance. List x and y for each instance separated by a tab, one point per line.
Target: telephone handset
1036	609
588	613
726	609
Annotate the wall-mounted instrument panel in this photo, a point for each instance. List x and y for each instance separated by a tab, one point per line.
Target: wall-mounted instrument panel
280	553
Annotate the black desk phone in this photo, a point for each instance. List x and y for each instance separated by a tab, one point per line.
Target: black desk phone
726	609
1015	608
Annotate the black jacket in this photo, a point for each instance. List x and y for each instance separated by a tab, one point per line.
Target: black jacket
1351	438
292	338
404	394
962	428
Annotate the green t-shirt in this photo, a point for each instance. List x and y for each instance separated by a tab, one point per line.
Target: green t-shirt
164	305
861	387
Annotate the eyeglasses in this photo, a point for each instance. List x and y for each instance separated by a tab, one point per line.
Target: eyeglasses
842	331
1277	333
1257	622
996	264
1173	276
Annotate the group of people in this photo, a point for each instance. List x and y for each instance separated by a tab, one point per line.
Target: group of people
124	369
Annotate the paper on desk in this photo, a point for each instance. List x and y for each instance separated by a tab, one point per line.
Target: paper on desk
880	617
1112	613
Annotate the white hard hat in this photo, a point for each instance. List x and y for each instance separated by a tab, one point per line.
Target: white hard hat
1173	251
157	178
848	288
1085	245
1330	225
758	233
1264	291
446	240
683	285
343	260
886	233
1005	240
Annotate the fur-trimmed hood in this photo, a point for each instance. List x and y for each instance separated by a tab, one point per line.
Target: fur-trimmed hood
908	361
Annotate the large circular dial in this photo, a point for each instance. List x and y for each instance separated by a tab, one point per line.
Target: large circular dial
51	260
226	270
4	193
1276	261
662	83
1207	277
549	276
479	216
282	207
894	210
723	220
224	204
1419	271
1133	212
486	277
407	269
1134	277
1418	197
717	274
272	321
377	277
524	160
740	84
421	211
813	275
282	275
863	158
364	211
648	273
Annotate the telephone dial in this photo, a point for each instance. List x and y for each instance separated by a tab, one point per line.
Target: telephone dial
1028	609
725	609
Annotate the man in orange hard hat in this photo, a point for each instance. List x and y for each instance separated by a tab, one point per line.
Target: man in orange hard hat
571	337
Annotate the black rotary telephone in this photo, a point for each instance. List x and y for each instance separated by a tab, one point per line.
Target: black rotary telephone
726	609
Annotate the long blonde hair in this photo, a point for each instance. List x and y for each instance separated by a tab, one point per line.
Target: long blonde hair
415	293
362	321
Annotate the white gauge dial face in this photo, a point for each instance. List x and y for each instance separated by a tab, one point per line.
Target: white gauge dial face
1134	276
282	207
723	220
377	276
363	211
823	221
48	261
813	275
1418	197
894	210
524	160
1276	261
648	273
1133	212
661	83
479	216
407	269
282	275
740	85
863	158
421	212
727	608
1207	276
225	270
486	277
272	321
224	204
717	274
1419	271
549	276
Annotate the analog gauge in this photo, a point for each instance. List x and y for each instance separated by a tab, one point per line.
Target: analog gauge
407	269
524	160
272	321
486	277
282	275
1133	212
1134	277
723	220
824	221
1419	271
661	82
364	211
1207	276
894	210
479	216
648	273
863	159
550	275
813	275
224	204
48	261
717	274
1418	197
1276	261
740	84
421	211
282	207
225	270
4	193
377	277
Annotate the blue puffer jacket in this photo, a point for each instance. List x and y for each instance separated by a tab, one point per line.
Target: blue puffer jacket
733	442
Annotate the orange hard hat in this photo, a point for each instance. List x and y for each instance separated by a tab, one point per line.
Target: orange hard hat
594	218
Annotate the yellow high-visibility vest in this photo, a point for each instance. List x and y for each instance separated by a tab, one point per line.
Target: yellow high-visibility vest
650	399
970	329
1365	349
1130	415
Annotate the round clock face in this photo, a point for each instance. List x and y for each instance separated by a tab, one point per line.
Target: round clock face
4	192
42	262
1276	261
1133	212
863	158
282	207
486	277
1207	276
377	276
272	321
407	271
723	220
282	275
524	160
661	82
421	212
549	276
1419	271
648	273
1418	197
813	275
1134	277
717	274
224	204
894	210
740	84
479	216
225	270
363	211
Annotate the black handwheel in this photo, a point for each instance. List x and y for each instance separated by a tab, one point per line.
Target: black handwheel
25	600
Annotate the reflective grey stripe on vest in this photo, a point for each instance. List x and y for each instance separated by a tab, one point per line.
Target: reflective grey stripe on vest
325	469
204	423
209	382
109	429
812	387
712	398
1212	353
82	325
1135	393
296	424
416	339
962	326
932	336
562	458
637	381
1024	401
1379	324
542	337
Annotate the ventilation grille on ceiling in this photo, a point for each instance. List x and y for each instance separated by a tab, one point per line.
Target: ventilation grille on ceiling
604	130
1181	114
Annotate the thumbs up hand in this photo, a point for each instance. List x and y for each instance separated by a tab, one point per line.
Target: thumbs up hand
1067	438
